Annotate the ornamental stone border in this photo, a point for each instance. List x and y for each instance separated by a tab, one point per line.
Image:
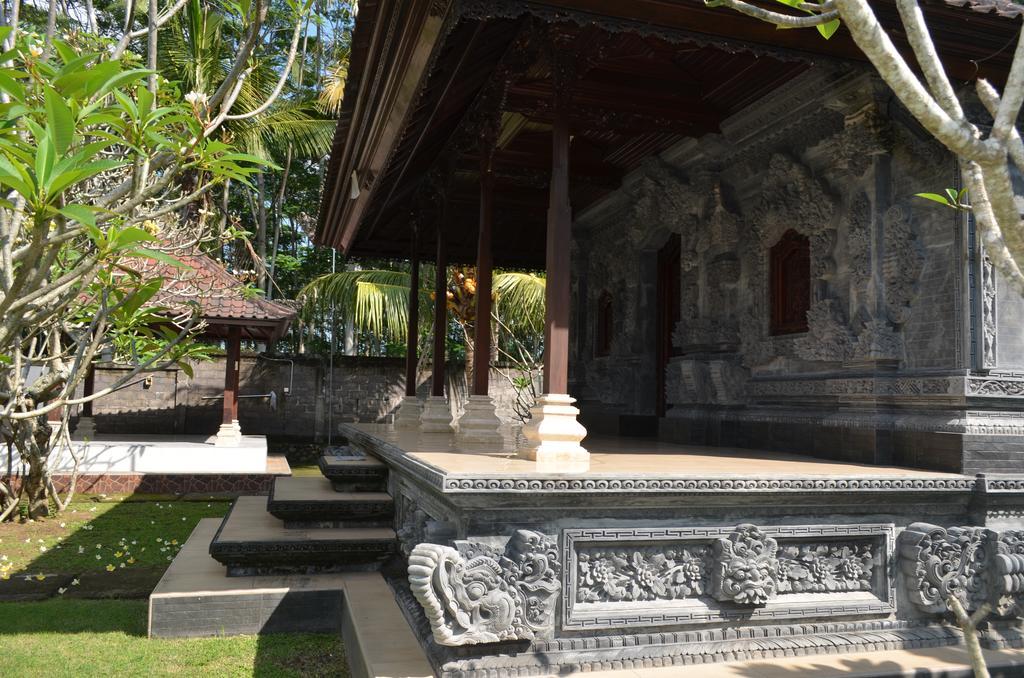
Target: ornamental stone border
880	601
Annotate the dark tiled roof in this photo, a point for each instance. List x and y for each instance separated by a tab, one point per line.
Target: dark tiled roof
1005	8
222	298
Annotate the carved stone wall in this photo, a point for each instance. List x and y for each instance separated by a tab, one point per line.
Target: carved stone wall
889	296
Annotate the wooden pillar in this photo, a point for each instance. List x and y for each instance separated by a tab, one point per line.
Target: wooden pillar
557	292
88	388
234	350
440	315
484	275
412	331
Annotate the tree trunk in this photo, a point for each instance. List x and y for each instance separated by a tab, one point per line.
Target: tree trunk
261	232
32	439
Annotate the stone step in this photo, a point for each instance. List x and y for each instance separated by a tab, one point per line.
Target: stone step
313	502
250	542
354	473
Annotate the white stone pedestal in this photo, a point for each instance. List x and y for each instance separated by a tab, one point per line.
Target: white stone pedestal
437	416
229	435
478	425
409	412
553	436
86	428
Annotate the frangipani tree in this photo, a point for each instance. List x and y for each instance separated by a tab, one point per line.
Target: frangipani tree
97	161
986	158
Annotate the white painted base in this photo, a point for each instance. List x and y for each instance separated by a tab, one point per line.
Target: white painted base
229	435
409	412
126	453
85	429
437	416
553	436
478	425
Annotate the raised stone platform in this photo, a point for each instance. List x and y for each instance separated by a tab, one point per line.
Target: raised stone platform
664	555
250	541
313	502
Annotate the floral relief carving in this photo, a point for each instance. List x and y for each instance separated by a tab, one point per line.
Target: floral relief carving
478	596
648	573
826	568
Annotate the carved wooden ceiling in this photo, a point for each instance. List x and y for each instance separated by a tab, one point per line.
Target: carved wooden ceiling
633	94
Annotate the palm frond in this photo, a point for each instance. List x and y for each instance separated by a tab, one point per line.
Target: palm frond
519	299
375	301
333	90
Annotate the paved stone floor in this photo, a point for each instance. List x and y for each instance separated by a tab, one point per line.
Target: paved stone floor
931	662
611	456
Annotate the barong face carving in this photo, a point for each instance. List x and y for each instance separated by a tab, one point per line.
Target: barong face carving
746	569
940	563
487	598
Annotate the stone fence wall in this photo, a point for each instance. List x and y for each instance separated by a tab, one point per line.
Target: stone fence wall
295	398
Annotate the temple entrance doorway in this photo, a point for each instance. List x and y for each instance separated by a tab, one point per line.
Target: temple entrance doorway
668	311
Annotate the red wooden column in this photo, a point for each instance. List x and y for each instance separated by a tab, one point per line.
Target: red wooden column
230	433
557	291
437	415
484	276
86	428
553	434
412	330
410	411
440	316
478	425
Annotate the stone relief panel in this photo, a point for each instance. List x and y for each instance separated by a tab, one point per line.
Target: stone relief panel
703	575
974	565
473	595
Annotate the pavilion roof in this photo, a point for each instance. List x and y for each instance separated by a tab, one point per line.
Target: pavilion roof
223	299
425	76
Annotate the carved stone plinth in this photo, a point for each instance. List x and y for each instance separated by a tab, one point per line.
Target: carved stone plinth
409	412
485	597
229	435
478	425
437	416
86	428
553	436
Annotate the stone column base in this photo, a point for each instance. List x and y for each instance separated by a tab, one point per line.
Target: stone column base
437	416
553	436
229	435
478	425
86	428
409	412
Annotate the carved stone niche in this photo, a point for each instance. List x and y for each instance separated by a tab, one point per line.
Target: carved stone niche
473	595
975	565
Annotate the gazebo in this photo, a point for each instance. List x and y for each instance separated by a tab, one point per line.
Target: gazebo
228	311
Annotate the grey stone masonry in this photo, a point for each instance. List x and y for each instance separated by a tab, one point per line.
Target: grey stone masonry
307	400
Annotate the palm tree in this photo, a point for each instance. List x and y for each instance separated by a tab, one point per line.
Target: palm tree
376	302
196	54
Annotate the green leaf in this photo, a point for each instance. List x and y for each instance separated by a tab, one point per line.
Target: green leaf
122	80
61	121
131	236
829	29
80	213
935	197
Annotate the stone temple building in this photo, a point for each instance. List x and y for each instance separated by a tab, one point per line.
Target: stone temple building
783	399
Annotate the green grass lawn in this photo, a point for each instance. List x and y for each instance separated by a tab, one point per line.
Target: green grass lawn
116	548
106	546
108	638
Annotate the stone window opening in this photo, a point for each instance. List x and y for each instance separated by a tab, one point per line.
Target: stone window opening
605	326
790	275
